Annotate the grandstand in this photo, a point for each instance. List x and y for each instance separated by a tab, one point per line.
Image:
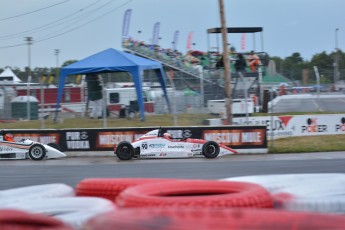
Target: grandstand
198	71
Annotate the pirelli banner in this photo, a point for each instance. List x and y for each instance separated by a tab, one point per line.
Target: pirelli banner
245	139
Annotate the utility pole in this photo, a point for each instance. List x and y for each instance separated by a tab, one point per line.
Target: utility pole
28	111
227	73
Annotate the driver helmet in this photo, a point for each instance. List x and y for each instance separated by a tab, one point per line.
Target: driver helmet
167	136
8	137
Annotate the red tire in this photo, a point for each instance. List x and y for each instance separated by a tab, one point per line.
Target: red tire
196	193
175	218
20	220
110	188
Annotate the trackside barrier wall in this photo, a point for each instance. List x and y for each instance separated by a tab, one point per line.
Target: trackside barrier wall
244	139
297	125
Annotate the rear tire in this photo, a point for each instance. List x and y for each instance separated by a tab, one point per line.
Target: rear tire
124	151
37	152
210	149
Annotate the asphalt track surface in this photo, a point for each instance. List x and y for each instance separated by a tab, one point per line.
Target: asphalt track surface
313	103
78	166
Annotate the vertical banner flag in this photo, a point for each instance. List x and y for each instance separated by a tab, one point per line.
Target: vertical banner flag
189	41
175	41
243	42
155	35
126	20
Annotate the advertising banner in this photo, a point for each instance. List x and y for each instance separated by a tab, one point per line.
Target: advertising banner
126	22
44	137
155	35
189	41
297	125
175	40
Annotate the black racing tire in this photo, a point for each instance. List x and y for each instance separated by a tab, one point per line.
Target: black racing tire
210	149
37	152
55	146
195	193
124	151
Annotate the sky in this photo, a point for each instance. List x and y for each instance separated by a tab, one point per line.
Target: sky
80	28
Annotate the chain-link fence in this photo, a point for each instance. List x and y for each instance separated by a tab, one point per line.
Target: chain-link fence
192	94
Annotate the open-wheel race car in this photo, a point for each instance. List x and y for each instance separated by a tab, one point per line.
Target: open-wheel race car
156	144
27	149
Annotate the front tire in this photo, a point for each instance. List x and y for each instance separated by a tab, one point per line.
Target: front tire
124	151
37	152
210	149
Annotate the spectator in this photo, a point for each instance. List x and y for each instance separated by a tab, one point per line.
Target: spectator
95	95
220	63
254	61
240	64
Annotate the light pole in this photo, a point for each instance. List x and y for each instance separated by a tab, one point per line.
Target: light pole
29	43
336	64
57	51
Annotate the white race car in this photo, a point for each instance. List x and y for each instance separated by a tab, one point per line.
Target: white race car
156	144
27	149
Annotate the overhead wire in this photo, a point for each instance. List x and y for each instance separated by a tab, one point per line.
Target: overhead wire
47	26
80	18
51	36
34	11
90	21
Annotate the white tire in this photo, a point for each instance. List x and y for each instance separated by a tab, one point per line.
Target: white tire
35	192
319	192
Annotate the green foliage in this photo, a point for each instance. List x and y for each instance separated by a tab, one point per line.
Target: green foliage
322	143
66	63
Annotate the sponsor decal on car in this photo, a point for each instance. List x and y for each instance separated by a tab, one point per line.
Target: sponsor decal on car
147	155
144	145
156	146
196	146
176	147
5	149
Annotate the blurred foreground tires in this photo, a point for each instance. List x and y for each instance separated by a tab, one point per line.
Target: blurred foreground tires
317	192
20	220
188	218
35	192
110	188
196	193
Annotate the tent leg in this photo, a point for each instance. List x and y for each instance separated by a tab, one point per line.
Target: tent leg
56	115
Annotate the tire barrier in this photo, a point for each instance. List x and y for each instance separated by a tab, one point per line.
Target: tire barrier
323	192
196	193
74	211
35	192
20	220
175	218
110	188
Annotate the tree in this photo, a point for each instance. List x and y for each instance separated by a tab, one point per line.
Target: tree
68	62
322	60
292	66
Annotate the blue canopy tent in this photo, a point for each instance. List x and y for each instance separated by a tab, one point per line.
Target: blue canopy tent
111	60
